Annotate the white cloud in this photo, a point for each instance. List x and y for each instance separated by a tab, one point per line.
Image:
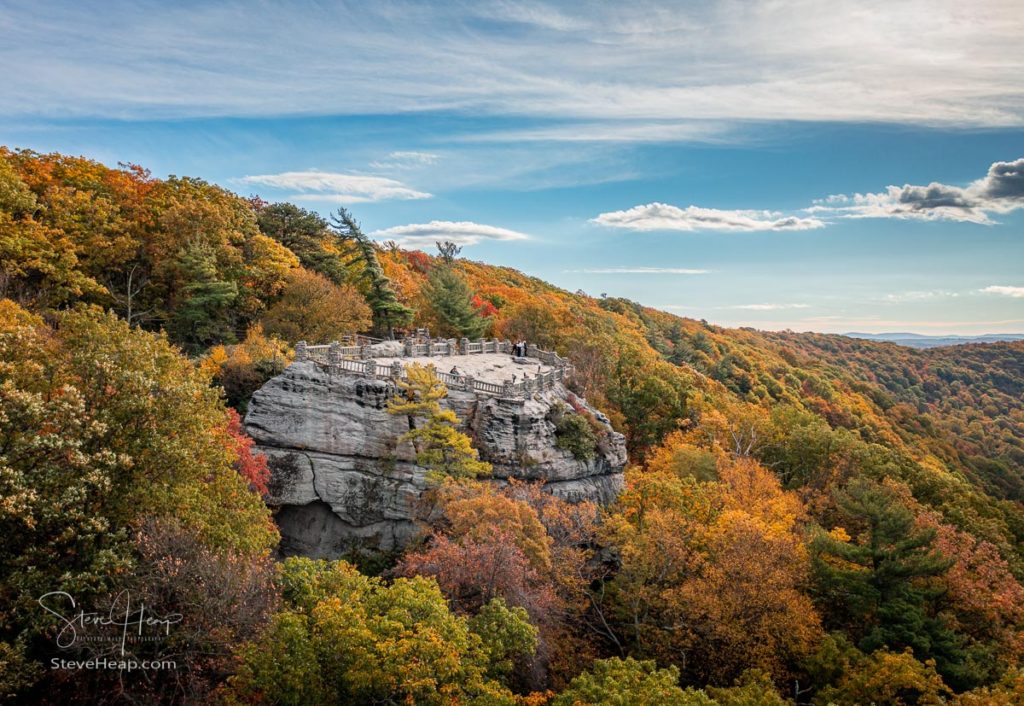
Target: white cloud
1001	190
416	235
639	271
919	295
660	216
914	62
769	307
614	131
1015	292
405	160
873	324
331	187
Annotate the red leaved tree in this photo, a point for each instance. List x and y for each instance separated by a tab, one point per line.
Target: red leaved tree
252	466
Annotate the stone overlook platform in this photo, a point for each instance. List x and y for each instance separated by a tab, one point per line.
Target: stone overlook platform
485	367
343	475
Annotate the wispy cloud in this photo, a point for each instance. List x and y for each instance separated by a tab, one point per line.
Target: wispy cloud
332	187
405	160
459	232
769	307
649	61
842	323
622	131
661	216
639	271
1001	190
871	324
919	295
1006	291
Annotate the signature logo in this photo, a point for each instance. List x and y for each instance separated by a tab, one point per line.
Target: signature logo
124	622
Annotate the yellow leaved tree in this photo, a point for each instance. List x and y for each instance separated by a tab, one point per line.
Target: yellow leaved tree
440	447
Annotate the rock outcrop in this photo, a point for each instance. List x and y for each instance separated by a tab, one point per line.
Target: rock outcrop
342	479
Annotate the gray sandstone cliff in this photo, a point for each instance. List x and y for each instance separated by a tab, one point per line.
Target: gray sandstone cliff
342	480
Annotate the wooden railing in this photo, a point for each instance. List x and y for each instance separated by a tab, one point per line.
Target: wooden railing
360	359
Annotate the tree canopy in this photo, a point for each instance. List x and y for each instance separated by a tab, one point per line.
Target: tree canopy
810	516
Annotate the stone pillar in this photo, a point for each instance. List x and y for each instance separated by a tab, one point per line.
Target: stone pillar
334	354
464	346
507	389
300	352
470	383
409	343
528	386
364	352
396	371
370	366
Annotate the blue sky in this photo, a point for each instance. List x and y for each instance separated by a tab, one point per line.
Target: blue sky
831	167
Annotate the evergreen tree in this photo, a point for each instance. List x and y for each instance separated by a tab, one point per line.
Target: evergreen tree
448	251
883	581
452	302
307	235
440	448
388	312
203	312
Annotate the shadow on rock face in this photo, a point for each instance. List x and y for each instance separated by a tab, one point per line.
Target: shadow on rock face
314	531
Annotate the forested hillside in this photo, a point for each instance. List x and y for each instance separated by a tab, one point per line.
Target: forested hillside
807	519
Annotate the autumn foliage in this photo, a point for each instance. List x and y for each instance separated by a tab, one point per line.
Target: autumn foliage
805	519
251	465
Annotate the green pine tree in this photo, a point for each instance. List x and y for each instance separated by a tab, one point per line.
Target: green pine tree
440	448
452	302
880	585
307	235
388	312
202	315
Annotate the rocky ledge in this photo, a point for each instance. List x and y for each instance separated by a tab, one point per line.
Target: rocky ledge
342	480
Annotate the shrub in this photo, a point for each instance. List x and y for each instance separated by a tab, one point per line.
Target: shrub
574	433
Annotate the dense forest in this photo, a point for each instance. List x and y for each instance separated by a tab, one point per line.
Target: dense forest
807	518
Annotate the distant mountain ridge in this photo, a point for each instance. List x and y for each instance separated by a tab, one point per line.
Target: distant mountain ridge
920	340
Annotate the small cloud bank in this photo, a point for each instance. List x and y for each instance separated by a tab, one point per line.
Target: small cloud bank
620	131
661	216
1001	190
919	296
331	187
405	160
418	235
1006	291
770	307
639	271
